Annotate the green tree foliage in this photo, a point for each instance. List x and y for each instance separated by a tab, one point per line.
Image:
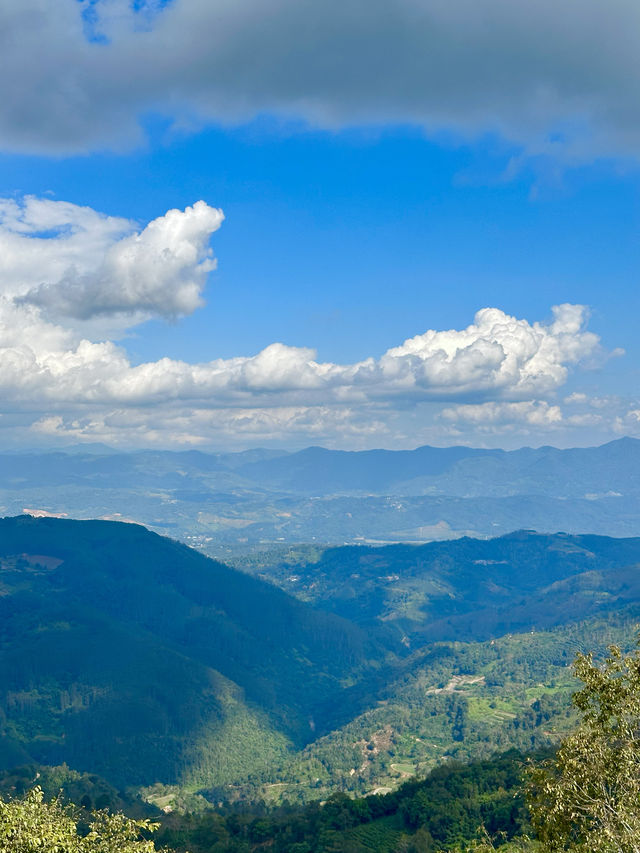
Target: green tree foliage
442	812
33	825
588	797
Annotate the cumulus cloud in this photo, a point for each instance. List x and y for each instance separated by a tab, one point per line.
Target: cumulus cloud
627	418
161	270
577	398
90	389
73	262
497	353
556	77
598	416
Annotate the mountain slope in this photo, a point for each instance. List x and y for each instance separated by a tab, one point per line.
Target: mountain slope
139	658
467	589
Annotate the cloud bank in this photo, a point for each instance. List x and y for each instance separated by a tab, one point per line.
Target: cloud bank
496	356
559	78
71	279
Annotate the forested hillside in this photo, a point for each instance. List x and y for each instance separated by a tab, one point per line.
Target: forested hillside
440	812
581	797
125	654
136	657
467	589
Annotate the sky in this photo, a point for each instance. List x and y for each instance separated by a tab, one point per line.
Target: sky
281	223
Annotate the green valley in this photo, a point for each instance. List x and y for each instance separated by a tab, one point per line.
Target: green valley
134	657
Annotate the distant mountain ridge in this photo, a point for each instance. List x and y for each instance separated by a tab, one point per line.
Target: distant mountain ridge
320	471
317	470
460	471
228	502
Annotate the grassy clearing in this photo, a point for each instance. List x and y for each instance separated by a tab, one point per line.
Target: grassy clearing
491	709
408	769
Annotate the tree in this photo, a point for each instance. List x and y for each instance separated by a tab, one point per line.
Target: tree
32	825
587	798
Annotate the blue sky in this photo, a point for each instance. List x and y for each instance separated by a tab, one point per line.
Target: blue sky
357	214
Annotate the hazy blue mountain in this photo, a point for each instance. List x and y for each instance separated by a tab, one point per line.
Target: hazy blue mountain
460	471
111	469
318	471
228	502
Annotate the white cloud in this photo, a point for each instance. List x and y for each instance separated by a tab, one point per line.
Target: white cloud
229	427
587	419
497	353
41	239
73	262
577	398
533	413
481	361
70	382
560	78
91	389
627	421
607	409
597	418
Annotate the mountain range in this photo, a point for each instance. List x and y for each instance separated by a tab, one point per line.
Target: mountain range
229	503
